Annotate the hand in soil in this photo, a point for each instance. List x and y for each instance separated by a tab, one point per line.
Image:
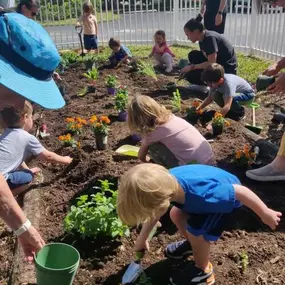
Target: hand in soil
278	86
271	70
31	242
209	127
271	218
35	170
67	160
141	245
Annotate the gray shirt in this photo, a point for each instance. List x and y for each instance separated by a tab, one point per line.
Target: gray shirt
234	85
16	145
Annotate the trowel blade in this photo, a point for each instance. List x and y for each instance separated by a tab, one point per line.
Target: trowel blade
132	273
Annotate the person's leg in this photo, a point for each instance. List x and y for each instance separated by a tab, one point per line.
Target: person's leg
19	181
179	218
244	97
87	42
221	28
160	154
167	60
209	21
158	59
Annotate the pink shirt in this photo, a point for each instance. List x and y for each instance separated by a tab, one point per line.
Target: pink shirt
183	140
165	50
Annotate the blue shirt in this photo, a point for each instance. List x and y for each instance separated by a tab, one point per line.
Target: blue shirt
207	189
120	54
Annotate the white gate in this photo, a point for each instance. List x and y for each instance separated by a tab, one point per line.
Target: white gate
135	21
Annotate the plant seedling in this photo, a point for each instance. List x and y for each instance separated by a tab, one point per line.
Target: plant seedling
176	100
244	157
92	76
111	81
100	125
146	68
68	140
121	99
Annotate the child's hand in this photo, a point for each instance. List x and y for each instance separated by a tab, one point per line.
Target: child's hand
187	68
57	76
209	127
141	245
67	160
271	218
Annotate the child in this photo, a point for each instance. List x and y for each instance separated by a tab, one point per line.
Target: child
227	90
90	27
120	52
171	140
161	51
204	199
16	145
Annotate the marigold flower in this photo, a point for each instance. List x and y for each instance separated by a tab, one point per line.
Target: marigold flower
196	104
68	137
61	138
78	126
98	125
83	122
69	120
78	144
227	123
218	115
105	119
238	154
247	155
200	111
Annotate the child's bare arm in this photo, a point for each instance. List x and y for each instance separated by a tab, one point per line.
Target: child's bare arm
143	153
52	157
228	100
96	26
206	102
24	165
252	201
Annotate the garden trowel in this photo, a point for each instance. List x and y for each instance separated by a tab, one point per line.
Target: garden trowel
135	269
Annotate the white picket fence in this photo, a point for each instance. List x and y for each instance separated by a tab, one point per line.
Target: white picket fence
254	32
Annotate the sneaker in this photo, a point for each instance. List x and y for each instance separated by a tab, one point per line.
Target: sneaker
266	173
168	70
194	276
199	88
178	250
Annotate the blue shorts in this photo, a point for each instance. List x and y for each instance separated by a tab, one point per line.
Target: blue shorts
210	226
19	178
90	42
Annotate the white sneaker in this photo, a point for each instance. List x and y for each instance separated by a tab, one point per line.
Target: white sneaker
200	88
266	173
168	70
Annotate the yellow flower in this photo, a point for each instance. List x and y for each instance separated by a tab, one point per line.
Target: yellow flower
78	144
68	137
98	125
200	111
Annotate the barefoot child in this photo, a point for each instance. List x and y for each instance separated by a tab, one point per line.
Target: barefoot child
227	90
170	140
90	27
161	52
204	199
120	52
16	145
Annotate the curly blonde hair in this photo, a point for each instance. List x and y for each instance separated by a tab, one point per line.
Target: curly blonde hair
145	114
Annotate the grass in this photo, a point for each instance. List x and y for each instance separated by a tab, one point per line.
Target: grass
105	17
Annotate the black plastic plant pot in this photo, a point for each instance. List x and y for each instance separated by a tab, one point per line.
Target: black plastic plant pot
123	115
89	64
101	141
263	82
91	89
217	130
171	87
192	118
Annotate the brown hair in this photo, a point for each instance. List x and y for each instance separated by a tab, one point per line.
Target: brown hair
144	114
87	7
213	73
114	43
160	33
12	117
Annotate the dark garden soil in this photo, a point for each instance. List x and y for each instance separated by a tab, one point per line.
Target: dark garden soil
104	261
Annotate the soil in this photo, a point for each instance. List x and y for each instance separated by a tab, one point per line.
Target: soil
103	260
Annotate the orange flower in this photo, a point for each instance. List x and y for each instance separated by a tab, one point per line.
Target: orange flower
93	119
78	144
105	119
78	126
68	136
238	154
218	115
72	127
98	125
200	111
196	103
69	120
83	122
61	138
227	123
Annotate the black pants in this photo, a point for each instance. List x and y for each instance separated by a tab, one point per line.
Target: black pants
194	76
209	22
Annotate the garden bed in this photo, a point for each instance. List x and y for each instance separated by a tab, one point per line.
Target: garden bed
103	260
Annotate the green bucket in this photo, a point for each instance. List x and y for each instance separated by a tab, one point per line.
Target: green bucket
56	264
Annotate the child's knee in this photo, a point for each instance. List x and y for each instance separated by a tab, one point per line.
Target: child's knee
177	215
167	58
20	178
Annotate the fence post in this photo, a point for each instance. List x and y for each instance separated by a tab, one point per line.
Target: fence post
175	19
255	7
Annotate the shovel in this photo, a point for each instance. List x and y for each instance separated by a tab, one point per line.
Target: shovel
257	161
253	127
135	268
79	32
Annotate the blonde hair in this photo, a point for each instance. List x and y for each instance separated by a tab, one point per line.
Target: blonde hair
11	116
145	192
144	114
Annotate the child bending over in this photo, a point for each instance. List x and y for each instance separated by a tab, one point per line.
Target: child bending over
229	91
161	52
120	52
204	199
90	27
16	145
170	140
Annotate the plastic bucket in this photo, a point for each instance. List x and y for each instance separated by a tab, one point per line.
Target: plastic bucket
56	264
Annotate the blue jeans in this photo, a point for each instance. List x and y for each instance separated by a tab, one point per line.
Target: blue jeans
19	178
242	97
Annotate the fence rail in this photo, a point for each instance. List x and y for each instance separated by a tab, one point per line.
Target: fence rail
254	32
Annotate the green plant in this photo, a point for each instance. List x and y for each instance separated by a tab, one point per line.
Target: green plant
121	98
111	81
68	140
143	280
218	120
69	57
243	261
176	100
92	75
244	157
146	68
96	214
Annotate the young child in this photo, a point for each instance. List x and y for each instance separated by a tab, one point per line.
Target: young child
16	145
120	52
204	199
227	90
170	140
161	52
90	27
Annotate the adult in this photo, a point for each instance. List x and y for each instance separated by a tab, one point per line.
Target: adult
214	48
215	13
28	8
28	58
276	169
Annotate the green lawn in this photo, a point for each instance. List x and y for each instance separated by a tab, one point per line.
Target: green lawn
106	16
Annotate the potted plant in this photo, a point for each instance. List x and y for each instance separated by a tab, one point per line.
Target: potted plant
192	113
218	124
111	83
244	157
68	140
89	61
92	77
121	101
75	125
100	128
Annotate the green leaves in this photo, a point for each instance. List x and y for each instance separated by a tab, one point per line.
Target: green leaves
111	81
92	75
176	100
96	215
146	68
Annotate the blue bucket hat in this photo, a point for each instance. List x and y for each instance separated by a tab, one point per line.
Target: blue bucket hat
28	58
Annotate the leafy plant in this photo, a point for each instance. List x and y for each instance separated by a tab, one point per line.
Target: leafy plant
75	125
144	280
121	98
176	100
68	140
69	57
96	214
146	68
92	75
218	120
244	157
111	81
100	126
193	109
